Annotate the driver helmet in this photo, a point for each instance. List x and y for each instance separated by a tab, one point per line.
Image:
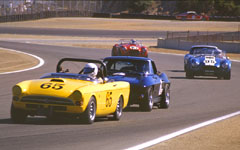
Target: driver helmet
91	69
133	41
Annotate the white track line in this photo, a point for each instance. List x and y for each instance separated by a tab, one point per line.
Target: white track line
41	61
180	132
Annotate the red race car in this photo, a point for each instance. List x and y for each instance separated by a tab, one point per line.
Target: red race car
130	48
191	15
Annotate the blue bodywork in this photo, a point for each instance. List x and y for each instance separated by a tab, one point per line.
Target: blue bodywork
140	72
205	60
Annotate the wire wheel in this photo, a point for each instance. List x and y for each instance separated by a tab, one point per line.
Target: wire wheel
90	112
118	113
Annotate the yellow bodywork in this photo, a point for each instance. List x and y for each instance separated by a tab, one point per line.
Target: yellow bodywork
76	93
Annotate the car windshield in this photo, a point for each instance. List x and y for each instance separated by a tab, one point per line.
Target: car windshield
208	51
68	76
75	70
128	67
123	41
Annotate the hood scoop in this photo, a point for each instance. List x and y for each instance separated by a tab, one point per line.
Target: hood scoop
57	80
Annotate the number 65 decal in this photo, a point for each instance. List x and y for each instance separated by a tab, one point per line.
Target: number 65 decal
55	86
109	99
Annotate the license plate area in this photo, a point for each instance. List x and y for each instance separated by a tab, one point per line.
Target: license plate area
209	71
42	110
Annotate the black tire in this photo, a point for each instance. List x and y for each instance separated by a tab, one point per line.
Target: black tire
189	75
118	113
114	51
147	103
228	76
165	98
18	115
119	52
90	112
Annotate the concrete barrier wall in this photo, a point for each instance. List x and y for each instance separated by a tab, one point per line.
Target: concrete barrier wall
186	45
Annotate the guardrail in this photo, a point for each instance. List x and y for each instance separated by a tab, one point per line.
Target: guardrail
48	14
228	41
145	16
87	13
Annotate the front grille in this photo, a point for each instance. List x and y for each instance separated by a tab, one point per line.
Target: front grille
54	108
47	100
210	68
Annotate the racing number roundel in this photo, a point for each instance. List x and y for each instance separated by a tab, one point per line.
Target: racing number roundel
109	99
56	86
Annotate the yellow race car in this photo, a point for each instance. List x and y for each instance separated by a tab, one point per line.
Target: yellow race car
84	94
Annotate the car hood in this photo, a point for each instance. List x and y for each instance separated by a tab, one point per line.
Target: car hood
131	80
52	86
203	59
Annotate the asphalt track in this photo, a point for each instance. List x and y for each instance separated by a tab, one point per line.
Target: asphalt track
192	102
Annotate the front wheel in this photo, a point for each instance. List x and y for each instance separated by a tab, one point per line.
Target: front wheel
228	76
90	112
189	75
118	113
114	51
147	103
185	67
17	115
165	98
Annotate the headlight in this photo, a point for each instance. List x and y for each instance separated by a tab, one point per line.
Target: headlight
195	63
144	50
225	65
16	90
77	97
124	48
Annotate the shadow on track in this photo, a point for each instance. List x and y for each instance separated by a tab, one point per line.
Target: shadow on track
196	78
57	121
175	70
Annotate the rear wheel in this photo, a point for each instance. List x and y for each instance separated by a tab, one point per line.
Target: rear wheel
165	99
18	115
90	112
147	103
118	113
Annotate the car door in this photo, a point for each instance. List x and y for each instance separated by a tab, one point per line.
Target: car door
156	81
109	97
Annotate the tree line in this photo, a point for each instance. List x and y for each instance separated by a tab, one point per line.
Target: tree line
211	7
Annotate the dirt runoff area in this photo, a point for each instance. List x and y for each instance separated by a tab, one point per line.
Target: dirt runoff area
127	24
218	136
13	61
224	135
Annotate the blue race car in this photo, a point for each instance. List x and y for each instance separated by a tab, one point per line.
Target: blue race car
205	60
148	87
